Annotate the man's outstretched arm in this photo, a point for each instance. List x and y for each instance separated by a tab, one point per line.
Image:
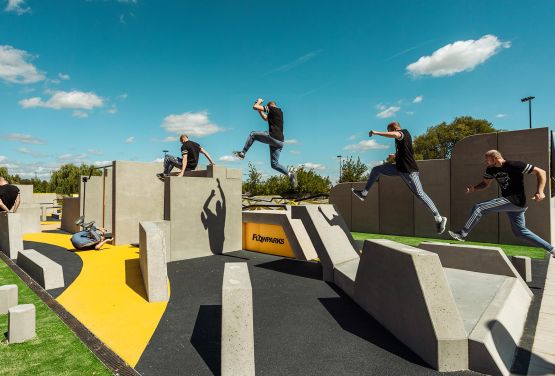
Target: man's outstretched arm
394	134
203	151
478	187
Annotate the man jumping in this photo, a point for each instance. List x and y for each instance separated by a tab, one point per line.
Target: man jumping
274	137
510	177
189	158
405	167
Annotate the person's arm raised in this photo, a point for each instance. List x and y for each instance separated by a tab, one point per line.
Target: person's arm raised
478	187
394	134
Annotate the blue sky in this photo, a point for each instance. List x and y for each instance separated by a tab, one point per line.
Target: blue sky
98	80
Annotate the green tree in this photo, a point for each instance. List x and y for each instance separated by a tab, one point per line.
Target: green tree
66	179
353	170
4	173
438	141
253	185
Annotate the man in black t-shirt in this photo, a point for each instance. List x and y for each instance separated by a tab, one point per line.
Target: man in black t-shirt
510	177
9	196
405	166
190	151
274	137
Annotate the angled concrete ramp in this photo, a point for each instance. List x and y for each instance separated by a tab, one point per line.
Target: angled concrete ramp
331	238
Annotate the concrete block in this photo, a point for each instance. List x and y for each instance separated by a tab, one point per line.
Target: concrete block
26	193
329	234
11	235
43	270
237	322
344	276
494	340
138	195
475	258
205	217
396	207
340	196
406	290
21	323
70	213
365	215
8	298
523	266
30	218
267	223
154	244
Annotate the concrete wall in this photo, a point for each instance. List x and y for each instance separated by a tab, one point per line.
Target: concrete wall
202	221
26	193
70	213
445	181
138	195
91	199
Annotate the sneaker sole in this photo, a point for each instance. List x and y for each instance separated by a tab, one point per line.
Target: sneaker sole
357	196
444	227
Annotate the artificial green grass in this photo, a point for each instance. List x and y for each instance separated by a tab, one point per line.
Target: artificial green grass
510	250
55	351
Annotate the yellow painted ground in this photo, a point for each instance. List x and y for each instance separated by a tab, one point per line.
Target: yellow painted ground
108	297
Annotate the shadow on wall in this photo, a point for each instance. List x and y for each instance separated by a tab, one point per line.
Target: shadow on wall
503	340
207	336
214	223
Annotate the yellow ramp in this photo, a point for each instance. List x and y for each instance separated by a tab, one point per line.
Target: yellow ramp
109	298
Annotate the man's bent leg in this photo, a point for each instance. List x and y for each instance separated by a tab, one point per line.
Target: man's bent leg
274	160
412	180
518	224
385	169
263	137
170	162
481	208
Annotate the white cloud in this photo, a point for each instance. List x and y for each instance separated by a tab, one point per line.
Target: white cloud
122	96
299	61
500	116
130	140
16	68
409	113
112	110
313	166
158	160
17	6
353	137
418	99
65	99
366	145
296	152
291	142
63	76
194	124
102	163
460	56
73	158
23	138
388	112
95	152
228	158
79	114
3	158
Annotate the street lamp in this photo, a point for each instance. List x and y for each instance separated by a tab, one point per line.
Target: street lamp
529	100
340	167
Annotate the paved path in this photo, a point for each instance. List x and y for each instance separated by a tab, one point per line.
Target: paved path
542	360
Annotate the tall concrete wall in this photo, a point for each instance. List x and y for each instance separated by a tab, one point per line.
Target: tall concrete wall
204	219
91	199
445	181
138	195
70	213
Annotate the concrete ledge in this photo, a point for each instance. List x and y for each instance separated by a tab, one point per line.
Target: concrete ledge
70	213
8	298
237	321
43	270
474	258
11	235
495	338
297	236
30	218
344	276
154	246
329	234
406	290
21	323
523	266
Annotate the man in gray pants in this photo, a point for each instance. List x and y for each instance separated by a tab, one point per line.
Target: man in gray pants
405	166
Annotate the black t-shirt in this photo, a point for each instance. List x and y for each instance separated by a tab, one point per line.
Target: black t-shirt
275	122
404	154
192	150
510	177
8	194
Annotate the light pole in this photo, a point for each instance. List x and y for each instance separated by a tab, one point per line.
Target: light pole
340	167
529	100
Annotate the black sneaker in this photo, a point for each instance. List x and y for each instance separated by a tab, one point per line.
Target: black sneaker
162	176
457	235
551	253
358	194
239	154
293	179
440	226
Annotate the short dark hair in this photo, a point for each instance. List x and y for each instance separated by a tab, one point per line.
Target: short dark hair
393	126
272	103
182	137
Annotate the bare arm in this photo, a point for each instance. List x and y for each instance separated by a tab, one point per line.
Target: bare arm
16	204
3	207
479	187
203	151
394	134
541	175
263	115
184	165
257	106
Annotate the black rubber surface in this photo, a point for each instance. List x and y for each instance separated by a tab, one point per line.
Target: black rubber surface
302	325
70	262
